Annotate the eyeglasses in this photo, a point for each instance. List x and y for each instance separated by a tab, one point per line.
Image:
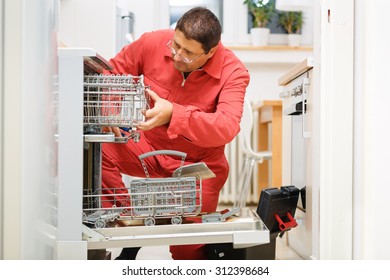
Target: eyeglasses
174	52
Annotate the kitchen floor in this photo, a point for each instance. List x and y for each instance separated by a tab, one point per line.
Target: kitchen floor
282	251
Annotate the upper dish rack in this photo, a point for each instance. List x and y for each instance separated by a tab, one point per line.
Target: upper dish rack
113	101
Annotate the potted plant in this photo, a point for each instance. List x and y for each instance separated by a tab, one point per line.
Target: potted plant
292	23
262	11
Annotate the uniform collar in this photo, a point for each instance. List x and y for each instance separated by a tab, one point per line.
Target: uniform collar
213	66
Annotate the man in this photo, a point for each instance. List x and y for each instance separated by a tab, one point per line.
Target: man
197	94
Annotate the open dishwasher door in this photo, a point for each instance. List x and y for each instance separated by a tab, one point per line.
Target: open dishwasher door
242	231
83	138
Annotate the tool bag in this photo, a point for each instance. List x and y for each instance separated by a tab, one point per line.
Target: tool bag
277	208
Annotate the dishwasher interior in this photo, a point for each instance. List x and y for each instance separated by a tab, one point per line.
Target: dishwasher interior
111	100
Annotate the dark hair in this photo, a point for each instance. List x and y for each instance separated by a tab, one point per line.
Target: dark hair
201	25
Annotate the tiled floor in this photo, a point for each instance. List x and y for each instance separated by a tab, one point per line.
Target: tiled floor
283	251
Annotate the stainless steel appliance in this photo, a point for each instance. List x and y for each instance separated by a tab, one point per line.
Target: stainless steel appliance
297	121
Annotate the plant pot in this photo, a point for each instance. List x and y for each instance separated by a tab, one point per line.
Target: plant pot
294	40
260	36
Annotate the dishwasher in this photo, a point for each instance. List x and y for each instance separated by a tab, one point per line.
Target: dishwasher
83	226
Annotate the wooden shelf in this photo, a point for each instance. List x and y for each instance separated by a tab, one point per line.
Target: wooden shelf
271	54
270	48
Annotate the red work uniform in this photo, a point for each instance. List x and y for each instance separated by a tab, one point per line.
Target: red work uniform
207	108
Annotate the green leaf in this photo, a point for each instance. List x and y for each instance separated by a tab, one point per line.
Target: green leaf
291	22
262	11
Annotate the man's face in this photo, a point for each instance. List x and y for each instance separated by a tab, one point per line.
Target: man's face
188	55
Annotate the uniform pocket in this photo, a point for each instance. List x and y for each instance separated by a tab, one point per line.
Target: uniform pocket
157	87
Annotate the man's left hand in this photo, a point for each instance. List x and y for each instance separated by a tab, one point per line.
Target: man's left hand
159	115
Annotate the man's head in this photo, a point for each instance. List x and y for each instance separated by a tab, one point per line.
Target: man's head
201	25
195	40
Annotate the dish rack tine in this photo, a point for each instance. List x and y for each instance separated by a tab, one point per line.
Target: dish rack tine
114	100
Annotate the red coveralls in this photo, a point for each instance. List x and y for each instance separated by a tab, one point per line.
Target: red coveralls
207	108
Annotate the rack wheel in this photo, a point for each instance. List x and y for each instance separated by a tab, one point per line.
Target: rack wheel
100	223
150	221
176	220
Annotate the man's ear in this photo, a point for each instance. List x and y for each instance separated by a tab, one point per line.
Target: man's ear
212	52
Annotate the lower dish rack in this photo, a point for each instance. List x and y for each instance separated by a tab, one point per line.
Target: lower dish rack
129	215
146	199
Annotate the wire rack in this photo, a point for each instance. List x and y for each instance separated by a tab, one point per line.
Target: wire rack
164	198
114	100
146	199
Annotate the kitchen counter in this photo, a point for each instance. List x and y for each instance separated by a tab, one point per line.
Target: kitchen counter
297	70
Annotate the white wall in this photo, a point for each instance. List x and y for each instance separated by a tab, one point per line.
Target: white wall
352	154
265	76
28	110
88	24
333	131
1	132
371	151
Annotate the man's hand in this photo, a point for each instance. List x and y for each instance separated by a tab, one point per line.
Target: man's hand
159	115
